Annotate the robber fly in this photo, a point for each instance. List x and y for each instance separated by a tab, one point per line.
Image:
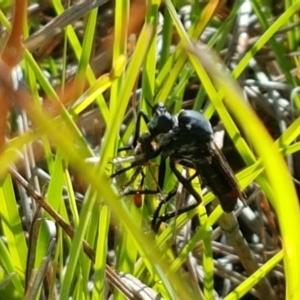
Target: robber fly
186	139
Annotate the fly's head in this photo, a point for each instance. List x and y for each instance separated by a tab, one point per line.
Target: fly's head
159	109
162	121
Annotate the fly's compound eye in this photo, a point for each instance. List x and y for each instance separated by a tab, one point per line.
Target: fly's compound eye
164	123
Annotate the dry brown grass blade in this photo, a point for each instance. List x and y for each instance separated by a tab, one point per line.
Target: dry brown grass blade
54	27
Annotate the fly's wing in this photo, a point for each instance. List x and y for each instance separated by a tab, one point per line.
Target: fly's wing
219	176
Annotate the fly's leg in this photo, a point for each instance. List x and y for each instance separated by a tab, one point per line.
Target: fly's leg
156	220
140	190
131	146
188	186
133	165
161	179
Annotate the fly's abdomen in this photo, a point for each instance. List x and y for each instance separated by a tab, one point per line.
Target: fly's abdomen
219	183
218	175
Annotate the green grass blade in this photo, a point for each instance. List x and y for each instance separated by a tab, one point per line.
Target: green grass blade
276	172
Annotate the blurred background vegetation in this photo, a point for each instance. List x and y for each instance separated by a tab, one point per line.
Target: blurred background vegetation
74	75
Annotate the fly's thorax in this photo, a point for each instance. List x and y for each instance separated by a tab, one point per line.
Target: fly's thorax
195	122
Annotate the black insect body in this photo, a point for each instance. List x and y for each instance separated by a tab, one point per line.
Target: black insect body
186	139
191	144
